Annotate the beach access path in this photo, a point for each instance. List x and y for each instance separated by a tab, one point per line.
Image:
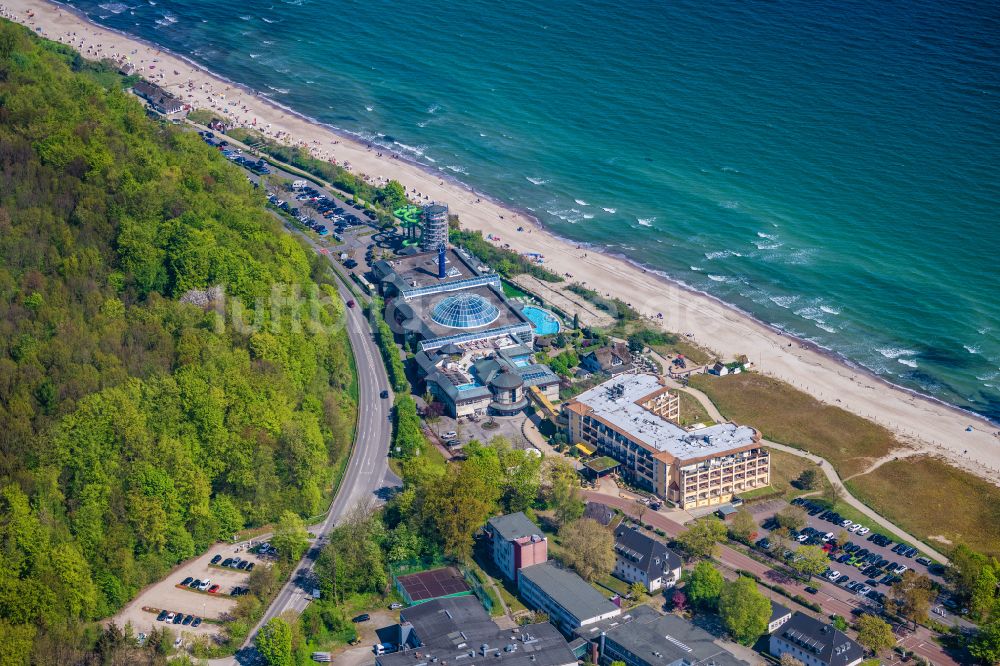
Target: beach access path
963	439
831	474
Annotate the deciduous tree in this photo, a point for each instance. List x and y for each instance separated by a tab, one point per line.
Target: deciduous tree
290	537
703	537
274	642
589	548
986	645
810	560
875	633
911	597
744	610
564	496
791	517
742	525
702	586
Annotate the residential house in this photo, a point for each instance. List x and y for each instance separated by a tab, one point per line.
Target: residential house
815	643
779	616
612	359
640	558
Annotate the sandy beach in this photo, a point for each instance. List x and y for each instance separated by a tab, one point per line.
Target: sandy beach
922	423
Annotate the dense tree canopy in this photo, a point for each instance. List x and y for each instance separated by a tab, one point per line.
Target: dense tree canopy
744	610
172	367
702	585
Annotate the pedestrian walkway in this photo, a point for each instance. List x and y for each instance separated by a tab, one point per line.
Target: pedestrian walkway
828	470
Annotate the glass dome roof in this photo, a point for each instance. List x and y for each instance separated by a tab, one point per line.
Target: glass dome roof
465	311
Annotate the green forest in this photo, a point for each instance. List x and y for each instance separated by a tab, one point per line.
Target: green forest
173	366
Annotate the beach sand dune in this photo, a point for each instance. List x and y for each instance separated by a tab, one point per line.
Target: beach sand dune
921	422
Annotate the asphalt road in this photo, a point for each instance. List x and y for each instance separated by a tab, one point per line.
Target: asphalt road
367	472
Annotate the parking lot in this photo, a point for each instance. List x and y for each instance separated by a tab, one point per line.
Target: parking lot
166	595
862	559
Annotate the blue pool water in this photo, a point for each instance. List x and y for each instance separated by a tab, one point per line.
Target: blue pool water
545	322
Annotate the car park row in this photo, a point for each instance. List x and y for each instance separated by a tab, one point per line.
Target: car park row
178	618
854	567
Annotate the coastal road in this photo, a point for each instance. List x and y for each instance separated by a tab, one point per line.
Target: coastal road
833	599
367	472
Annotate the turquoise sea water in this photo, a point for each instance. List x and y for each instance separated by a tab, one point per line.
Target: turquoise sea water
830	168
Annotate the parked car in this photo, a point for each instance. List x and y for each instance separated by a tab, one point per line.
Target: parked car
162	616
228	562
187	581
205	584
170	618
926	561
249	566
214	589
195	583
216	559
178	618
811	590
395	605
364	617
187	620
350	303
196	622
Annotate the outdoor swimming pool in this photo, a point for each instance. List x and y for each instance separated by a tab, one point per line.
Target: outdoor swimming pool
545	322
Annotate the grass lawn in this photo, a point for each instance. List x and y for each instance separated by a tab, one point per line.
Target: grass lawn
955	506
511	290
613	584
789	416
692	411
786	467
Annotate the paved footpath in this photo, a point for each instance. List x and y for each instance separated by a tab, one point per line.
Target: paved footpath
833	599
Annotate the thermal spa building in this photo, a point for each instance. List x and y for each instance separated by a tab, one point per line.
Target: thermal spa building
633	420
473	345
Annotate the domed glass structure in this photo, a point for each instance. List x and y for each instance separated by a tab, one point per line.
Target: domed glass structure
465	311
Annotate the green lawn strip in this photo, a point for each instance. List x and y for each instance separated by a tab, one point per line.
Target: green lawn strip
786	467
692	411
511	290
789	416
613	584
956	506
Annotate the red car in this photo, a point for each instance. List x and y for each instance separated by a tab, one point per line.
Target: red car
213	589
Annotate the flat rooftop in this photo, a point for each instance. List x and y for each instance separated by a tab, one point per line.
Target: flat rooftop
661	639
617	402
571	592
420	270
459	631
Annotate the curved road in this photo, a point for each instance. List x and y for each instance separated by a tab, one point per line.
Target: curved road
367	472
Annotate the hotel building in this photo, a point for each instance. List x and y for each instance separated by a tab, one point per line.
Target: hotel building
633	420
